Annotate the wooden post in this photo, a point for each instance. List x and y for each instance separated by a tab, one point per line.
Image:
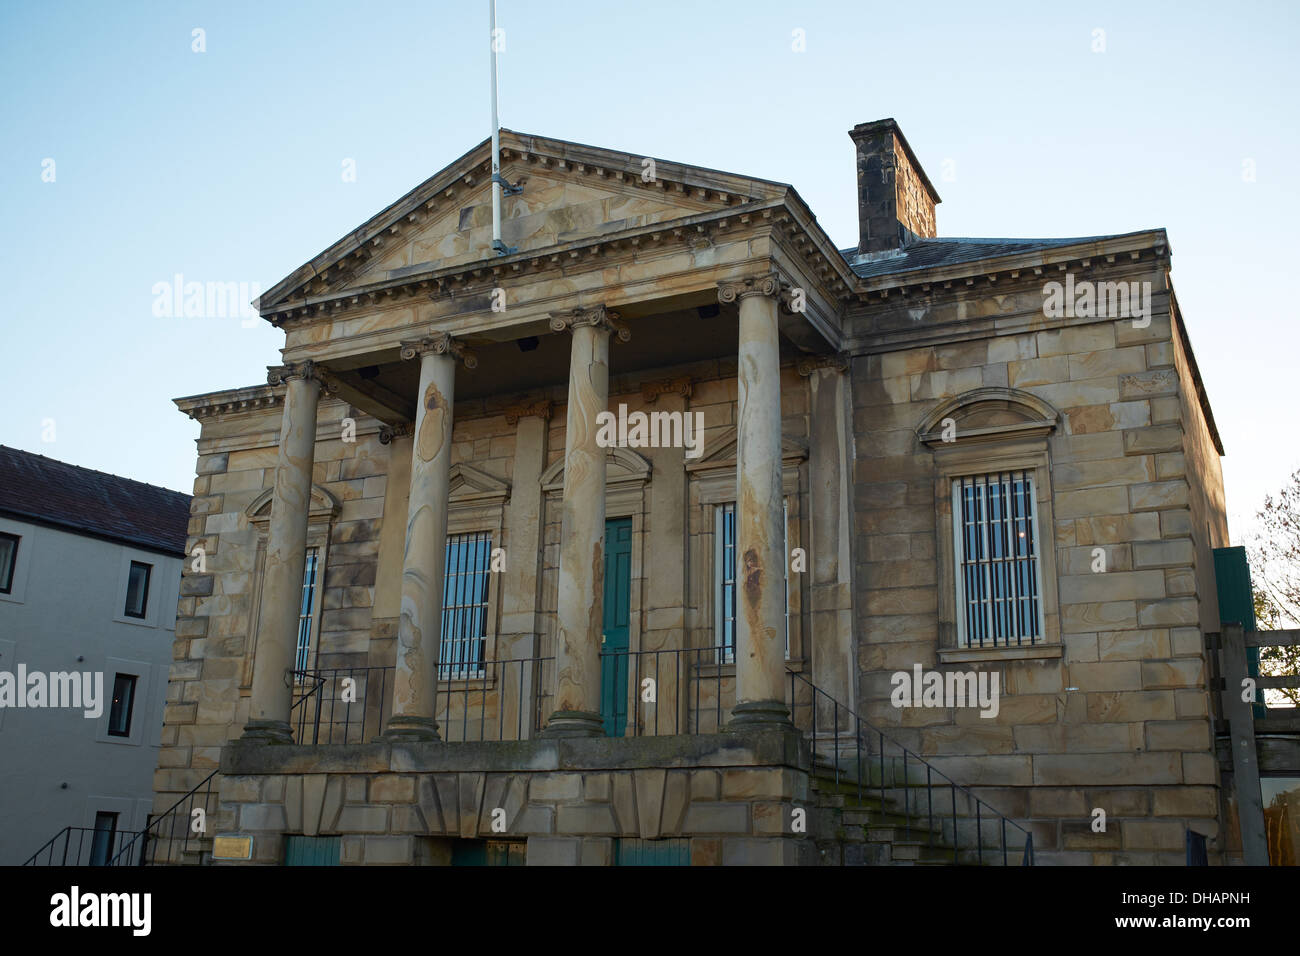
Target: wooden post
1245	764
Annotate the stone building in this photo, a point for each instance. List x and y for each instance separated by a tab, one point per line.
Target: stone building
451	614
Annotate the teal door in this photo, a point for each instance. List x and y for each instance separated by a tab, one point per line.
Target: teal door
614	643
312	851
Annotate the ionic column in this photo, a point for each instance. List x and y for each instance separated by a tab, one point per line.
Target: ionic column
760	535
419	627
580	614
286	555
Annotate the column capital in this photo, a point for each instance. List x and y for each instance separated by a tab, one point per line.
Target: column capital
541	408
438	343
768	285
388	432
307	371
681	385
596	316
836	361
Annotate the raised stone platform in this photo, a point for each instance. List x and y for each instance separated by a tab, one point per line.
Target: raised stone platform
732	795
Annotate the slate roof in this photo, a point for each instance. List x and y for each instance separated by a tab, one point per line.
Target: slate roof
82	500
946	251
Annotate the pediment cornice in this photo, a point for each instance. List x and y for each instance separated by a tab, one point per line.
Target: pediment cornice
344	259
780	217
231	401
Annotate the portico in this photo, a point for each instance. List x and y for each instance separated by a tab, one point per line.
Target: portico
573	685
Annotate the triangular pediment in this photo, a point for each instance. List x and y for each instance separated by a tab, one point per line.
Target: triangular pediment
720	451
553	208
468	483
568	192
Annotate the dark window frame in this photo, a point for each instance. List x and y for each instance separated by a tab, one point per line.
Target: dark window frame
144	597
102	852
133	683
7	585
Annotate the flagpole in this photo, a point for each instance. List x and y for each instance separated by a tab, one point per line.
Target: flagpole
497	244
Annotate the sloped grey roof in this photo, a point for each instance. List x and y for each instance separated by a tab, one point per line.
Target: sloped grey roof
933	253
92	502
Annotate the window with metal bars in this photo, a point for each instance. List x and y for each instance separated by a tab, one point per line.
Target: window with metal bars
999	578
306	609
465	605
725	565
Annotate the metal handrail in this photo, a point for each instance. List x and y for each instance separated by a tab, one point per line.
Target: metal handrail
469	701
170	816
954	788
127	841
81	834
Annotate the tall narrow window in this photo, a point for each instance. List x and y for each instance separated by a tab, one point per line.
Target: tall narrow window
137	589
725	564
101	847
302	658
465	605
8	558
999	585
119	714
726	537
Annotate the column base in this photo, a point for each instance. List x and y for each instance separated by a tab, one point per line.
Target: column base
760	714
574	723
411	729
268	731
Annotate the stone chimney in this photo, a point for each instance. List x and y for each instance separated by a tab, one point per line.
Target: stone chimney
895	199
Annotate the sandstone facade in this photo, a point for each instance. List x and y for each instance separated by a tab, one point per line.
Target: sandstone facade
848	389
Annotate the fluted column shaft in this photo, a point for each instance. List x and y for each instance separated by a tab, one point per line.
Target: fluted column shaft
419	628
286	555
580	612
760	535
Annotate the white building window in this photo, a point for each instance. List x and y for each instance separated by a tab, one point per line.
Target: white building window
137	590
123	705
996	545
8	558
465	605
725	574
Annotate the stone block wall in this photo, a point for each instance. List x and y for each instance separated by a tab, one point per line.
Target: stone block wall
1111	712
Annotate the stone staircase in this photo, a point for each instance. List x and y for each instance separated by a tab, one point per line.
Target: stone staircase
852	826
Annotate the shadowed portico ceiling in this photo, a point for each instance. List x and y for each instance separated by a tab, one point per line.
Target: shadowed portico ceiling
661	340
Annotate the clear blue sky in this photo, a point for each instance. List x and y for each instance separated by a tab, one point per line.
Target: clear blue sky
226	165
